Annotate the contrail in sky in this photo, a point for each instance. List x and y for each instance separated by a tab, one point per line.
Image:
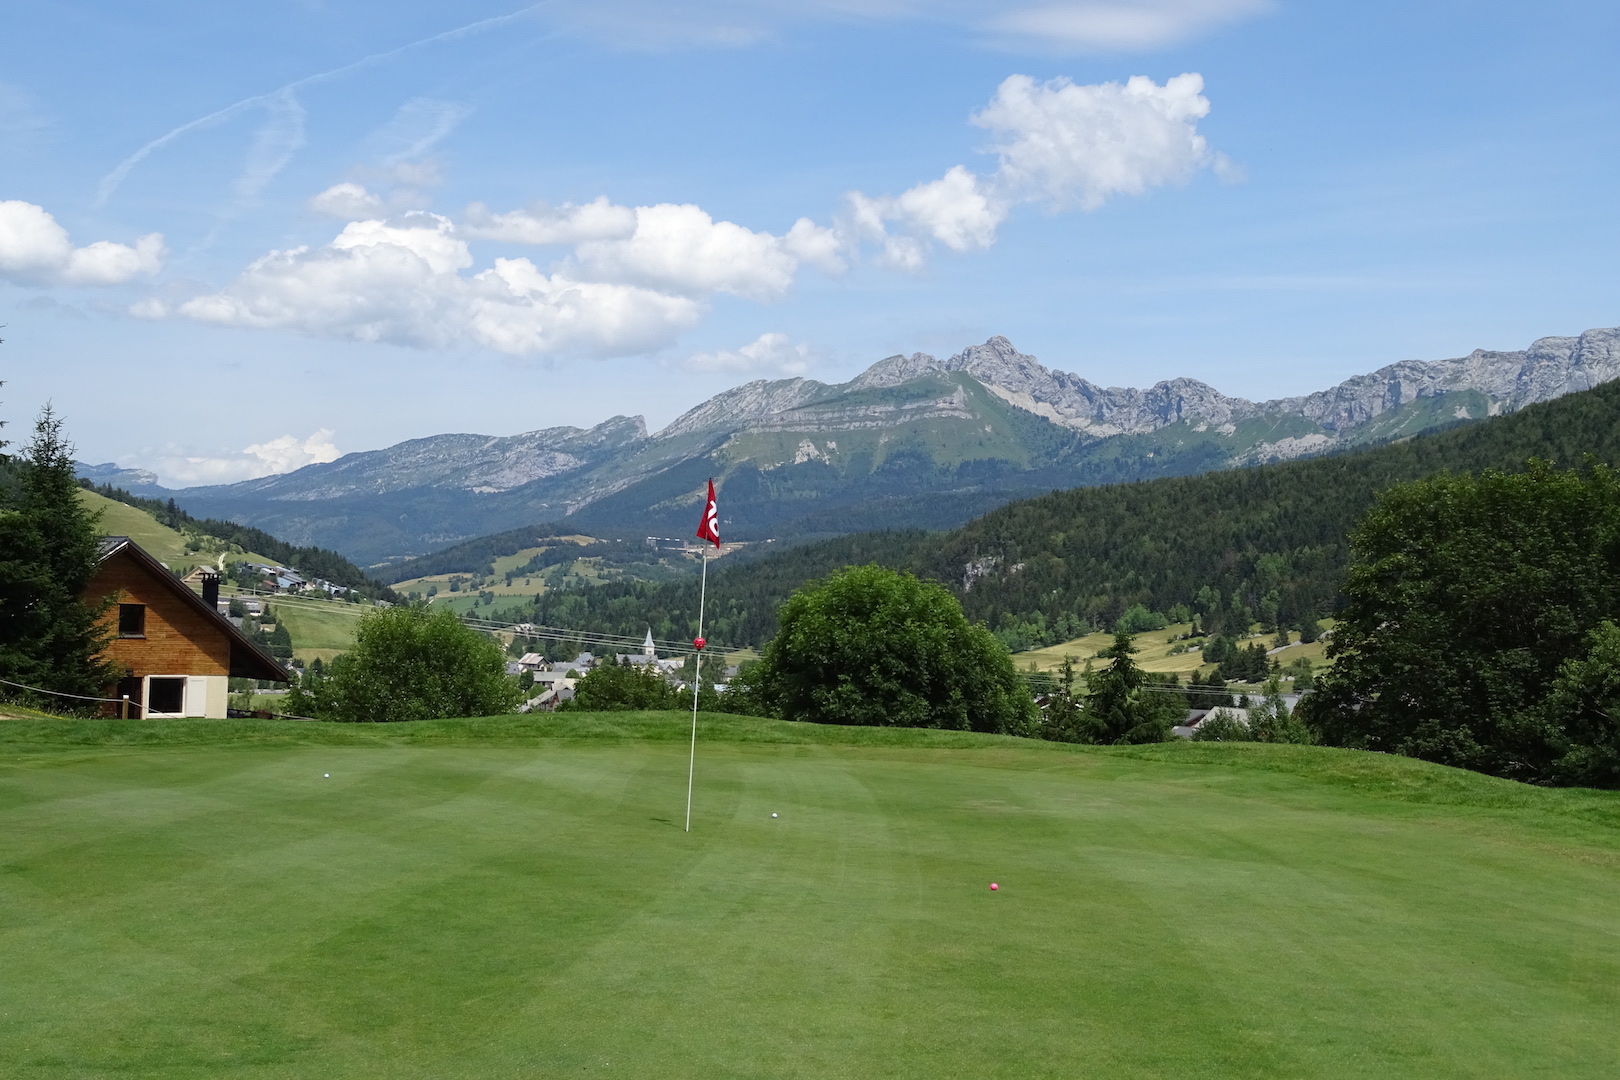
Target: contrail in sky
110	182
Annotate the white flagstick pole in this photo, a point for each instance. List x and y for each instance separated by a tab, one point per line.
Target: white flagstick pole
697	679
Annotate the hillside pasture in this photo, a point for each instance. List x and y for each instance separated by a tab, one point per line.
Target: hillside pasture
1154	651
516	897
319	628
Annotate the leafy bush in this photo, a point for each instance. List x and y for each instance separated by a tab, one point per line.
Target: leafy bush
411	663
1271	721
1138	619
612	687
1584	704
1224	725
870	646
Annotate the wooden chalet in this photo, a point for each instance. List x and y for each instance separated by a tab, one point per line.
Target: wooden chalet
178	652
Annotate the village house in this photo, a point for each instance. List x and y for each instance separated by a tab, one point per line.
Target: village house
177	651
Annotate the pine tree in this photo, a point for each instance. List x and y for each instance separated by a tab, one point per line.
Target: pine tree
49	636
1116	707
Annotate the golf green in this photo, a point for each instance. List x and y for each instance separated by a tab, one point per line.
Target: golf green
516	898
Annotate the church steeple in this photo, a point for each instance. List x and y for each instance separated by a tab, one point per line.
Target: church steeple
647	646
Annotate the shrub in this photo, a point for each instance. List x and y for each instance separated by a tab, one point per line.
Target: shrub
612	687
874	647
1138	619
411	663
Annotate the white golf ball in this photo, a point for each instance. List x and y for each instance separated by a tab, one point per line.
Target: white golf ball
773	815
327	775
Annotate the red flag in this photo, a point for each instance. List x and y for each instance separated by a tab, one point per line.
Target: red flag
709	527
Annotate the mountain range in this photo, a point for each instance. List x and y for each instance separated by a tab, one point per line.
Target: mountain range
911	441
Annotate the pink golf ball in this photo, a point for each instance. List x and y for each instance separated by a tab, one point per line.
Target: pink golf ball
994	886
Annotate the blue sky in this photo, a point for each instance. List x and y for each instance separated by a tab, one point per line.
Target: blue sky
236	239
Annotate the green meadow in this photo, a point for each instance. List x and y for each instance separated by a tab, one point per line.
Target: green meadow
515	897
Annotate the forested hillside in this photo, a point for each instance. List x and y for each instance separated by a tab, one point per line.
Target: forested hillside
1268	541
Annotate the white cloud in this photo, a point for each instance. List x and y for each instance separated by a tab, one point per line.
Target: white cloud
542	225
634	279
955	210
1067	143
272	457
1058	143
683	249
679	249
34	249
400	281
347	200
768	352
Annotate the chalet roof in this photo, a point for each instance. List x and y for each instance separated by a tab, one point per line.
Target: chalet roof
249	660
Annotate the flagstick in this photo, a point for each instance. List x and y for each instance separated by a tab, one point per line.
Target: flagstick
697	680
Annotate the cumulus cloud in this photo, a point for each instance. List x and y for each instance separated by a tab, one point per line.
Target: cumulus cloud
35	250
955	210
683	249
674	248
768	352
269	458
348	201
1067	143
401	281
1058	143
544	225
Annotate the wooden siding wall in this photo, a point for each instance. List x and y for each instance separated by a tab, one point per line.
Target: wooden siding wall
179	640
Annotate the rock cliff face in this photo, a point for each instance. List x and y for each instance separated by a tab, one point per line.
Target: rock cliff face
1549	368
987	424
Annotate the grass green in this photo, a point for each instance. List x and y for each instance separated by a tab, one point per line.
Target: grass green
167	545
1153	651
319	628
514	897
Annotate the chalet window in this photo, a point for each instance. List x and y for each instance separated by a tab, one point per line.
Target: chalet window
131	620
166	695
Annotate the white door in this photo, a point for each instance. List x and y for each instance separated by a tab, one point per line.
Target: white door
197	695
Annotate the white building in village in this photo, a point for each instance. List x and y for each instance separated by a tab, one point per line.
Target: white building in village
648	657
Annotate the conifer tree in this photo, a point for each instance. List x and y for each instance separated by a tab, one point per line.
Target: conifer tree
1117	710
49	634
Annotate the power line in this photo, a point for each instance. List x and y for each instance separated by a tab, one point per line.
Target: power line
530	630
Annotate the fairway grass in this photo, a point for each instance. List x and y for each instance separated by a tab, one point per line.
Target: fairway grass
515	897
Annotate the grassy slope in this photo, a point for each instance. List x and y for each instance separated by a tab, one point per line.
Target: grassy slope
318	628
165	544
514	897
